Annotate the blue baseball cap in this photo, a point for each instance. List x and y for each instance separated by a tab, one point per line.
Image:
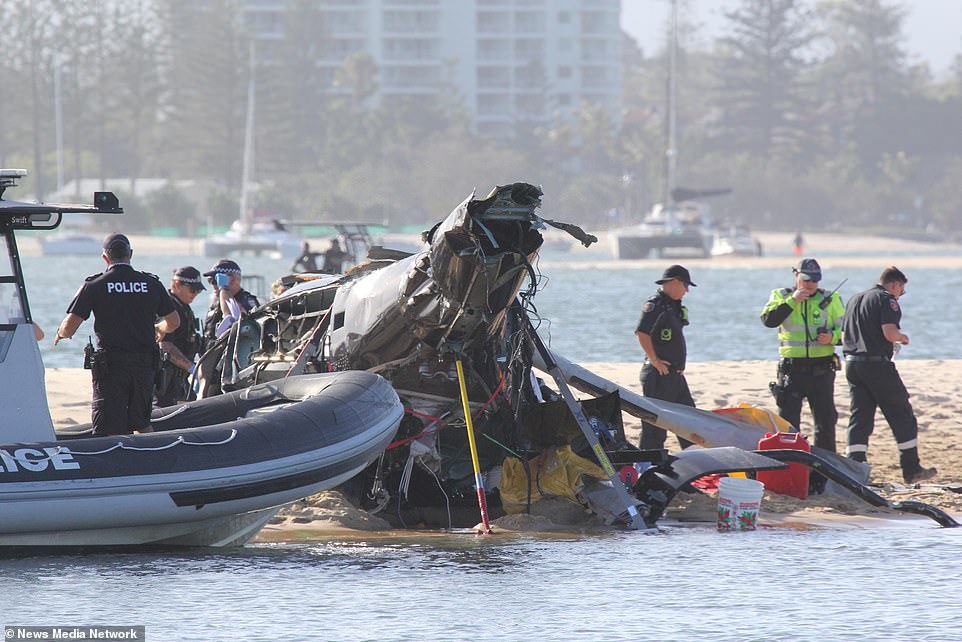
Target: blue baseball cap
809	269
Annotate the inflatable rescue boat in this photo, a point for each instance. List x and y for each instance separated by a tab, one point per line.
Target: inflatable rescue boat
212	473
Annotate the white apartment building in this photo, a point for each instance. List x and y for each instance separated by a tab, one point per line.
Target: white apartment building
514	63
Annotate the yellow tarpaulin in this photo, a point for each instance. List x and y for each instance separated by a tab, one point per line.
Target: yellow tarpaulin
556	472
757	417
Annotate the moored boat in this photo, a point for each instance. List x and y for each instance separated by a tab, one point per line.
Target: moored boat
735	240
71	244
270	237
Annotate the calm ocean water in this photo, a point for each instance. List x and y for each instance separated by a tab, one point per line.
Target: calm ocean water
590	312
684	583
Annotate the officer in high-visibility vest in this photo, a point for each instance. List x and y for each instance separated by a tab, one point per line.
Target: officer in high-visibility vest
809	322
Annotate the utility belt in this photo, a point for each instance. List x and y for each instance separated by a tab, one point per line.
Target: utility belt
866	357
103	360
113	355
171	378
809	366
671	369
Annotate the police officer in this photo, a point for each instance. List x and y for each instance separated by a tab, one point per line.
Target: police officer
660	334
125	304
182	345
870	334
307	261
229	303
809	322
334	258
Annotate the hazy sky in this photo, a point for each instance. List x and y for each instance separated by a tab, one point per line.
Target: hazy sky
933	28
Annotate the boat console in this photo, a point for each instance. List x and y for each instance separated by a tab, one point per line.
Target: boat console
21	367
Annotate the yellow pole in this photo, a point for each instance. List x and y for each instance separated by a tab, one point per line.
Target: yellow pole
478	481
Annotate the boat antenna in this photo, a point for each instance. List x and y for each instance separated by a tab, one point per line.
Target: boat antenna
824	303
248	162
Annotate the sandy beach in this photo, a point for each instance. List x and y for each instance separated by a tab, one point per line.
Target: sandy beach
935	386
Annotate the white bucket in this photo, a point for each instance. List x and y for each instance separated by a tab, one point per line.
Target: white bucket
738	502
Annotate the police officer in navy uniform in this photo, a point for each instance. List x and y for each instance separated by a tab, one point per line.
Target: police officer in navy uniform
182	345
660	333
229	303
126	304
870	332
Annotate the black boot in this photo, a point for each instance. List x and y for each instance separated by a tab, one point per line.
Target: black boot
912	470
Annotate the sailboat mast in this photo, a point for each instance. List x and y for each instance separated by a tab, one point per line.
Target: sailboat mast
671	152
58	118
248	163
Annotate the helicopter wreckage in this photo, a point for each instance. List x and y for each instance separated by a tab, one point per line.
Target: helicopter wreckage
455	331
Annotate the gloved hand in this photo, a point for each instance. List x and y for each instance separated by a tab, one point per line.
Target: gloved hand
221	279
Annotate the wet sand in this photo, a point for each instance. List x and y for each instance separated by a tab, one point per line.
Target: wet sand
935	386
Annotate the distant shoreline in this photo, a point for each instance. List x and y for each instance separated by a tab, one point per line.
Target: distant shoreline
834	250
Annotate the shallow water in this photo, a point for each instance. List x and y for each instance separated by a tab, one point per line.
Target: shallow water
683	583
590	313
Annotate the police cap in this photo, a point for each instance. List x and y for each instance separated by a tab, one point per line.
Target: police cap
224	266
676	272
809	269
116	242
191	276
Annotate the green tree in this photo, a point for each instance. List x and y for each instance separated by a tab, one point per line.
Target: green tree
206	102
865	67
222	206
293	95
168	207
760	68
944	202
133	65
33	28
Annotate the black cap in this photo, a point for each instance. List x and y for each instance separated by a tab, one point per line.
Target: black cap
116	241
224	266
191	276
676	272
809	269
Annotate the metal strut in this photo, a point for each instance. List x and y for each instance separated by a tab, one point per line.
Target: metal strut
863	492
635	519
